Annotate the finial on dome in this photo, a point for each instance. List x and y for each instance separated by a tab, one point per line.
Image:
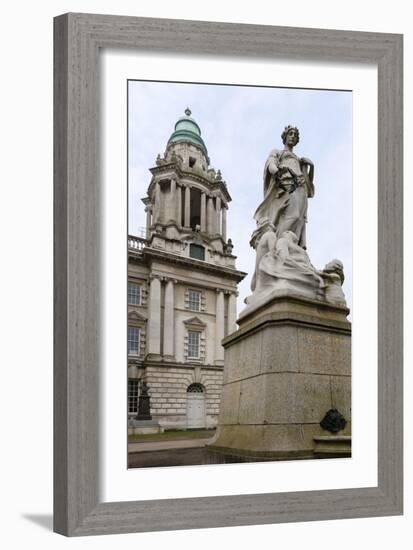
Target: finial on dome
188	111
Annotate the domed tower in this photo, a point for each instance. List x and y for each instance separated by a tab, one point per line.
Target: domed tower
187	199
185	273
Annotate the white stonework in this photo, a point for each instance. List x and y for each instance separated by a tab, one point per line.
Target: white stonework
185	250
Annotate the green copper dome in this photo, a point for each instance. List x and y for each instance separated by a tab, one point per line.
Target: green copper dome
186	129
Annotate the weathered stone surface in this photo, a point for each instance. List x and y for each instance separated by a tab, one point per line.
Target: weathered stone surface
341	395
231	396
279	349
323	352
252	400
296	398
244	359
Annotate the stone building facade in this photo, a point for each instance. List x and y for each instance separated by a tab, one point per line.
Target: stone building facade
182	286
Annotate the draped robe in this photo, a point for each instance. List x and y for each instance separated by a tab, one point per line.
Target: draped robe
285	205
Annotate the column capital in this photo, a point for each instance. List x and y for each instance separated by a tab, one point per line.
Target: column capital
169	280
231	292
154	276
218	290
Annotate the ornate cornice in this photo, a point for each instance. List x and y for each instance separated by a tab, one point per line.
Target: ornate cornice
167	257
148	362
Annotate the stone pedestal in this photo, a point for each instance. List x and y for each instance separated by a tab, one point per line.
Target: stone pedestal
285	368
144	427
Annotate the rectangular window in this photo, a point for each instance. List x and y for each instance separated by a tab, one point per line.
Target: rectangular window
134	337
194	300
133	395
134	294
197	251
194	339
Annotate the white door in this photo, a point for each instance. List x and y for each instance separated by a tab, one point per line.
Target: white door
195	412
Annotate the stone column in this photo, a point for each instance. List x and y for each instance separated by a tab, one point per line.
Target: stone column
224	222
154	322
232	312
219	327
218	214
203	212
187	206
179	215
172	201
148	220
210	214
169	318
157	203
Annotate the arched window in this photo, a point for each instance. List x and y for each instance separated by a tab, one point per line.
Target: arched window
195	388
197	251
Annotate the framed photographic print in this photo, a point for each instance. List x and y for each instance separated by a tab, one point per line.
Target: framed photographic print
227	274
188	263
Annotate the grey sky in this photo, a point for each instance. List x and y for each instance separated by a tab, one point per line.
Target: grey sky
240	125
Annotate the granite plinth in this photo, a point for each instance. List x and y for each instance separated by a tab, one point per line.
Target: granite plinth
286	366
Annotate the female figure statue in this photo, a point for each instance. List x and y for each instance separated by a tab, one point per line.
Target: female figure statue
288	182
282	264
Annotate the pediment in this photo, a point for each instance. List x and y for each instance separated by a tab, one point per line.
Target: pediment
195	322
135	316
196	238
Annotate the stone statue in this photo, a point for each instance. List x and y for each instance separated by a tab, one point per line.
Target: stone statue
282	265
333	275
288	182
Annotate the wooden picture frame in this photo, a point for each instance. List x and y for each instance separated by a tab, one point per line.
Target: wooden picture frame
78	39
